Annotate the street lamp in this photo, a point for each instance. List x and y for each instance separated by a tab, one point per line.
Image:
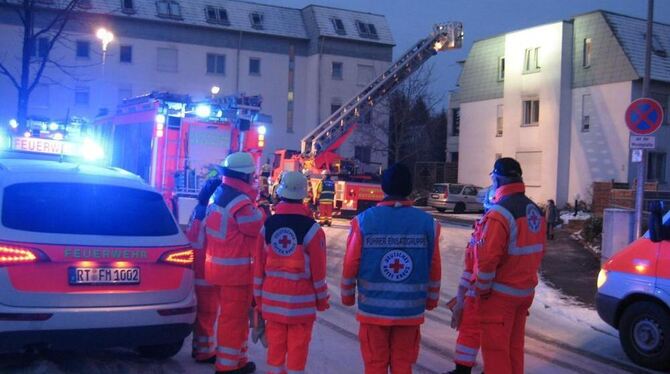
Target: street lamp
105	37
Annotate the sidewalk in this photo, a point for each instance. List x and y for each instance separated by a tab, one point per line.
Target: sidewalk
571	268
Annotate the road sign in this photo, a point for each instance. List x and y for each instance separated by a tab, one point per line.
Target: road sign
636	155
642	142
644	116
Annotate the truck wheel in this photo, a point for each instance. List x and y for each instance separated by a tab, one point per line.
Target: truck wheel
160	351
459	208
644	332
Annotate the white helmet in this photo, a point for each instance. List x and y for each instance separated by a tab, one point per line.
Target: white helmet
241	162
293	185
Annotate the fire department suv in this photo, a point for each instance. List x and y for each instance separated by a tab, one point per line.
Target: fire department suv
634	297
90	257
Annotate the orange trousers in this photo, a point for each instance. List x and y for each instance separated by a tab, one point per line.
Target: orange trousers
469	334
503	324
382	347
204	336
288	346
325	211
233	327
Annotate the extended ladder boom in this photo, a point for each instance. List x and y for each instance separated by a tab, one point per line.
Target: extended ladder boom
444	36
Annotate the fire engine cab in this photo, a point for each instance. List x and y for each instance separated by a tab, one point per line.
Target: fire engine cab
176	143
634	295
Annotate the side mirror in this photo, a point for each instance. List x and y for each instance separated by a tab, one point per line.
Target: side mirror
656	222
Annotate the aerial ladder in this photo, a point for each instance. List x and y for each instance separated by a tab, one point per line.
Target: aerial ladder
319	146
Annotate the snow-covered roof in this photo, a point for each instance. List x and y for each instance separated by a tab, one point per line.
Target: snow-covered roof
240	16
630	32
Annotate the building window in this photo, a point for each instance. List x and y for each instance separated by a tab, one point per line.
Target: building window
217	15
127	6
656	46
256	20
586	113
455	121
336	71
531	61
362	154
656	162
335	105
82	96
338	26
366	74
291	88
40	48
216	64
501	68
367	30
254	66
531	112
167	60
126	54
83	49
453	156
168	9
499	120
586	61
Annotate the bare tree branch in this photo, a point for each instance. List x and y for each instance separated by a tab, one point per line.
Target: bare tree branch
6	72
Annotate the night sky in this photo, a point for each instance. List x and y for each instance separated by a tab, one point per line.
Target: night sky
411	20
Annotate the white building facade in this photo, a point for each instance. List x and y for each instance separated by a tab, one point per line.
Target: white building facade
554	98
304	62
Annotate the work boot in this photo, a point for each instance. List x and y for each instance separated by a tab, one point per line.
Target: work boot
249	368
210	360
460	369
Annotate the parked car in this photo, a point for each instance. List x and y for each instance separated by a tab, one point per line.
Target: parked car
456	197
90	257
634	295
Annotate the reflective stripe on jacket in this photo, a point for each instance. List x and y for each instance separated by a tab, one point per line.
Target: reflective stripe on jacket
468	278
290	267
326	191
511	244
195	233
232	226
393	259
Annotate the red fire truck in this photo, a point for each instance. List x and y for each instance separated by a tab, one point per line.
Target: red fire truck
175	143
355	192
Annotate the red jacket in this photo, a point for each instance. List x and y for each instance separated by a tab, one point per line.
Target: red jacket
510	244
232	225
290	266
468	279
196	235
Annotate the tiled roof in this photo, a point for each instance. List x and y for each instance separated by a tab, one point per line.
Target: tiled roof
630	32
324	23
277	20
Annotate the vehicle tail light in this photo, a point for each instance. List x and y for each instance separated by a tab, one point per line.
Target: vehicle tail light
13	255
181	257
176	311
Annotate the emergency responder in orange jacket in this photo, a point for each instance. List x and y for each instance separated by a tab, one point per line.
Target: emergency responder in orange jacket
509	246
290	277
465	306
393	259
325	195
204	337
232	225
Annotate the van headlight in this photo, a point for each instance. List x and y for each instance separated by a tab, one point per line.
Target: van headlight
602	278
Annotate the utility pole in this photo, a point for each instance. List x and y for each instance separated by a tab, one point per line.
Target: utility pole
646	81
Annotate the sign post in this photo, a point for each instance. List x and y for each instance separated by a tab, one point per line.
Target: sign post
644	116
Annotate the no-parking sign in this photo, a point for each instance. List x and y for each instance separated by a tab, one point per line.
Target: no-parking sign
644	116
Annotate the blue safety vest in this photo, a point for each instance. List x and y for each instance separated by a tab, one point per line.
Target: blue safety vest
395	262
327	191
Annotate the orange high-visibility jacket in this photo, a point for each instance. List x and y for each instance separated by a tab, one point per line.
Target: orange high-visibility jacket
470	262
510	244
196	235
232	225
290	268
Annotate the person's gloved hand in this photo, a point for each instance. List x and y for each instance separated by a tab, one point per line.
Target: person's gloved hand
322	304
457	315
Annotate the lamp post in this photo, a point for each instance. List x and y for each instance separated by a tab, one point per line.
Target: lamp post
105	37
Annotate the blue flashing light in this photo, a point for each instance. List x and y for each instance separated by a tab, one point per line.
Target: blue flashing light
13	123
91	151
262	130
160	119
53	126
203	110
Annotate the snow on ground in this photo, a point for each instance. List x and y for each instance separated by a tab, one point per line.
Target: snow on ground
562	336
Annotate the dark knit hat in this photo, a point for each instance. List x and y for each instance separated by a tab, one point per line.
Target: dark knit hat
507	167
397	181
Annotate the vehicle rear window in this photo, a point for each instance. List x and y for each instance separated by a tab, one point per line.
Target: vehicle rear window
439	188
86	209
455	188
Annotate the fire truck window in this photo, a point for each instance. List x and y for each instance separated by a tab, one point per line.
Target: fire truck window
86	209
